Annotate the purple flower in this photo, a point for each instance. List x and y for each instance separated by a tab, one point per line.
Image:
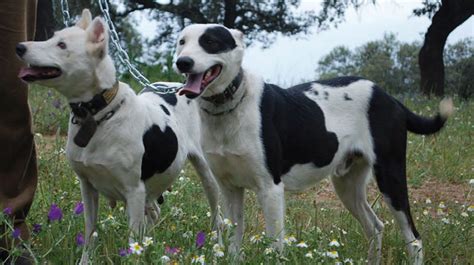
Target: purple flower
36	228
7	211
55	213
80	239
200	239
172	251
124	252
79	208
16	233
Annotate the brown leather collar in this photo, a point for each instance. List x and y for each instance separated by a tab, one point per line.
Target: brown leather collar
96	104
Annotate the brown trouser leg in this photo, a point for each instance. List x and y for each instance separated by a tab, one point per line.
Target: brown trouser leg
18	173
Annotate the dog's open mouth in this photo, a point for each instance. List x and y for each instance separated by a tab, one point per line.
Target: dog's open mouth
196	83
34	73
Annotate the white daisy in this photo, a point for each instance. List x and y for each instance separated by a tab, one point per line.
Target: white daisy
256	239
136	248
464	214
302	244
199	259
332	254
165	259
309	255
218	250
268	251
334	243
428	201
147	241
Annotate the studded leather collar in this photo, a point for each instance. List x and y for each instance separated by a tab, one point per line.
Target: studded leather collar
96	104
228	93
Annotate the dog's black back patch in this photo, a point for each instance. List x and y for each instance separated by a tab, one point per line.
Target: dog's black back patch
339	81
293	130
217	40
160	150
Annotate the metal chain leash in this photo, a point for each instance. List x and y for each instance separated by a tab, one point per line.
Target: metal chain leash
122	54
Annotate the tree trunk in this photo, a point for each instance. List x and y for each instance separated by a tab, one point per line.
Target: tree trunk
45	23
450	15
230	13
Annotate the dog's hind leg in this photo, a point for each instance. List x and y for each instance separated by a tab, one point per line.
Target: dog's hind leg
90	196
272	200
211	189
351	189
390	175
135	200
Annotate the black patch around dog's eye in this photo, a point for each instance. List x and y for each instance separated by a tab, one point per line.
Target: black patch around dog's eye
217	40
169	98
160	151
165	110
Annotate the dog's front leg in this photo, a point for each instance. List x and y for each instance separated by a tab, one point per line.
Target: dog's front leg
272	200
233	206
90	196
211	189
136	211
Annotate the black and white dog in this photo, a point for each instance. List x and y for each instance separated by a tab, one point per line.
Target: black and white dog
124	146
258	136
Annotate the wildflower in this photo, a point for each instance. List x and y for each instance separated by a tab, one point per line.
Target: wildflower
95	234
442	205
349	261
218	250
302	244
36	228
16	233
439	211
471	182
256	239
121	208
55	213
228	223
177	212
289	240
147	241
79	208
80	239
425	212
268	251
208	214
428	201
470	208
187	234
445	220
332	254
165	259
199	259
464	214
344	232
136	248
7	211
200	239
172	251
124	252
309	255
334	243
213	235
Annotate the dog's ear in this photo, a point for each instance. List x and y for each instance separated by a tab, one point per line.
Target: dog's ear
97	37
238	35
85	19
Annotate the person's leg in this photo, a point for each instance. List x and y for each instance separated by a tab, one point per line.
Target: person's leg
18	173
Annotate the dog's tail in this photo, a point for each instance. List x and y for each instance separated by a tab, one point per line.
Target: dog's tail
422	125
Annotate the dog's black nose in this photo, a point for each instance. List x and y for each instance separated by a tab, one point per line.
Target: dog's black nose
185	64
20	49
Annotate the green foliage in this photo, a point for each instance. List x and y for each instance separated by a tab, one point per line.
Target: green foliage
394	65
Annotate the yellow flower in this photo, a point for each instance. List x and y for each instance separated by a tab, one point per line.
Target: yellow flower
332	254
334	243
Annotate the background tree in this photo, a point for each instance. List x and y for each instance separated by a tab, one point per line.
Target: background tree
446	15
259	20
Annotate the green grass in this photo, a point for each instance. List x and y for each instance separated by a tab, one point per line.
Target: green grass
446	158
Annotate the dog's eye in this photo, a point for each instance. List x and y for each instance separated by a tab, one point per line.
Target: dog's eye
181	42
61	45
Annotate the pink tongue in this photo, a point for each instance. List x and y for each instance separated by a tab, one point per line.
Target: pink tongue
28	71
193	84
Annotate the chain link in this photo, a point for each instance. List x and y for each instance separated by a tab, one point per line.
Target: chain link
122	54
